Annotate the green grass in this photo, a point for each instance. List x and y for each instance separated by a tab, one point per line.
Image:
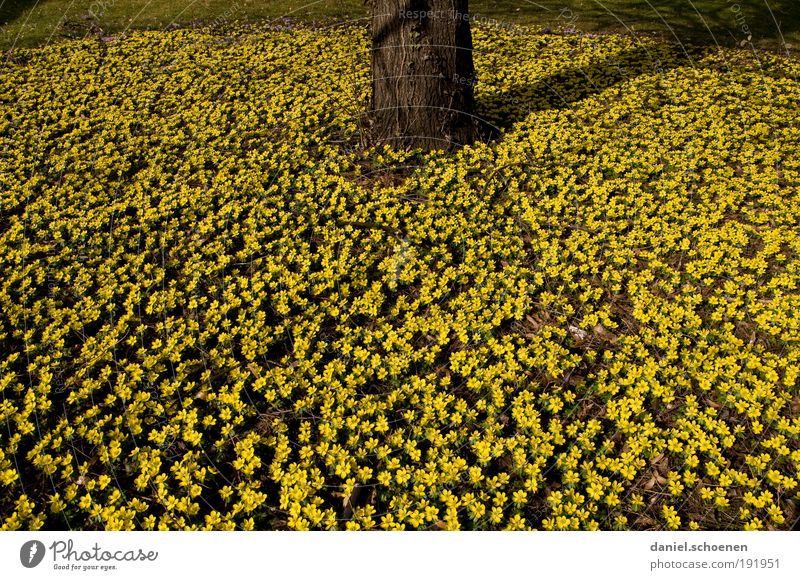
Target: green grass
771	22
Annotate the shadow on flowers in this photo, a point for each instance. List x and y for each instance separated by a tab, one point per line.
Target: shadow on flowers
561	90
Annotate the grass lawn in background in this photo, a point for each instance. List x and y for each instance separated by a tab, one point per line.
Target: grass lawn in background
770	22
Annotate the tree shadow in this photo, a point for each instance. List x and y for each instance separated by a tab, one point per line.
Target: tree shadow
562	89
10	10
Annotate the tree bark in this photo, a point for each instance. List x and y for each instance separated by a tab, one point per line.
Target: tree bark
423	75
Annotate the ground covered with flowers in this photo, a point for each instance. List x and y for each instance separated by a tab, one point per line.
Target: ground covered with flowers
219	311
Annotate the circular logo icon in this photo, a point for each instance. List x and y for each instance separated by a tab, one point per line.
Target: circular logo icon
31	553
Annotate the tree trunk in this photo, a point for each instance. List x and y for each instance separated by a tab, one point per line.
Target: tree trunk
422	74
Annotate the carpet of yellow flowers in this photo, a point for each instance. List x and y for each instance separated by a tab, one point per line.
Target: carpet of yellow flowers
218	311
